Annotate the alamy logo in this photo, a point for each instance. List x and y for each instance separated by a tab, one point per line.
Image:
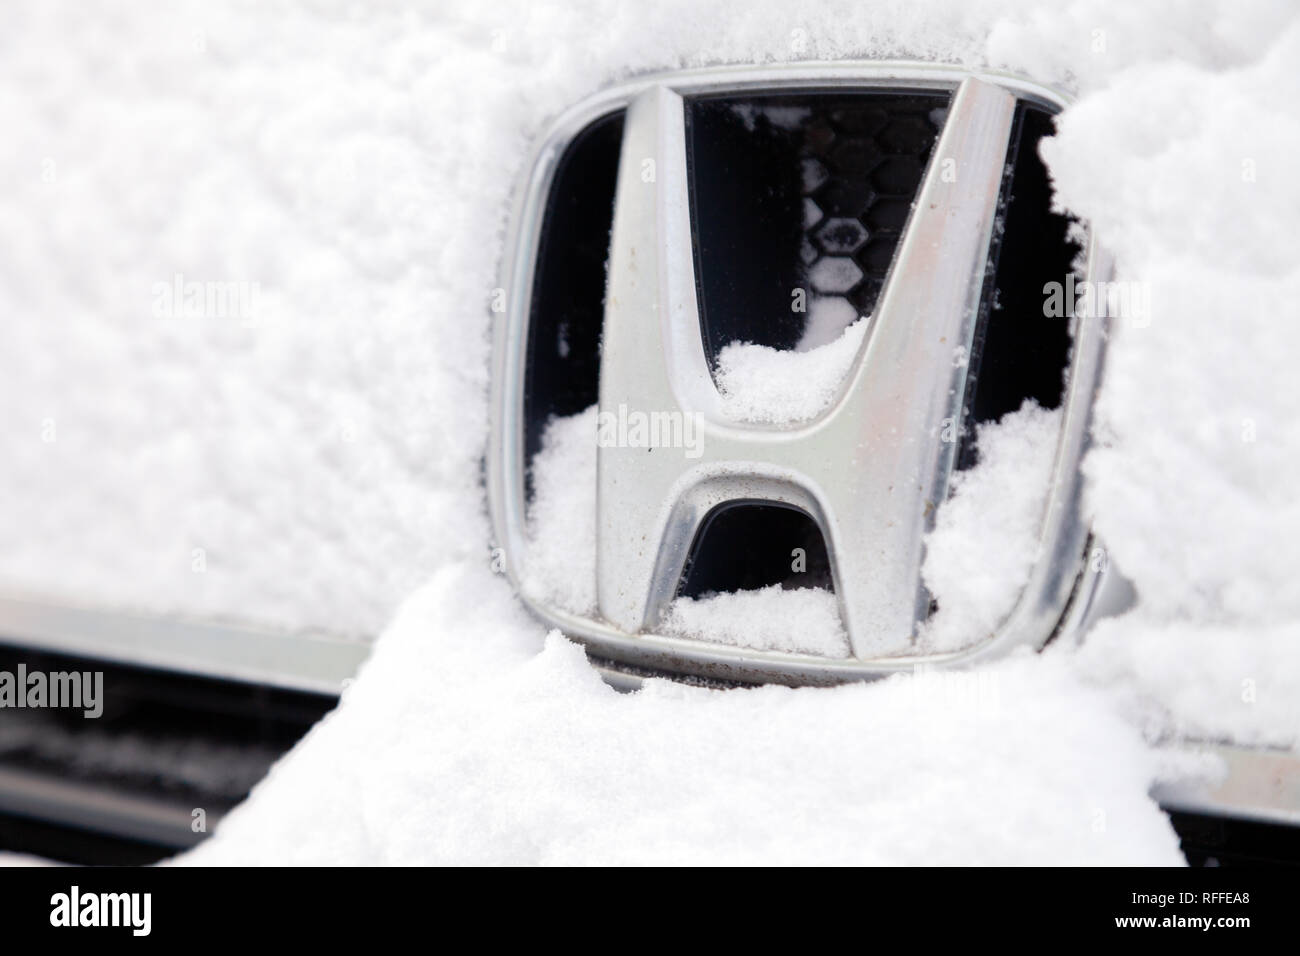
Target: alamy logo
71	690
182	299
74	908
637	429
1098	300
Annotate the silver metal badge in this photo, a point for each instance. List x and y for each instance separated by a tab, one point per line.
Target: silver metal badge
870	470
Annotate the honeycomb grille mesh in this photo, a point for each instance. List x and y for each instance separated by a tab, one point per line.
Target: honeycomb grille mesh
798	204
861	167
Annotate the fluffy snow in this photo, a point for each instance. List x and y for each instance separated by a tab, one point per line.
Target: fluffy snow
1200	682
463	744
828	317
560	566
323	452
985	539
1198	421
781	117
800	621
777	387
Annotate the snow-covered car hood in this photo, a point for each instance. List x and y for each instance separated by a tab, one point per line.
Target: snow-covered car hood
311	462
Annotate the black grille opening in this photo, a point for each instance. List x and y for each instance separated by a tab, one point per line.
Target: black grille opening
562	373
1227	841
166	741
798	203
1018	352
748	545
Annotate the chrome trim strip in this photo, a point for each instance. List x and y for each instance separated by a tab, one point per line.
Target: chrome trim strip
98	809
306	662
1260	785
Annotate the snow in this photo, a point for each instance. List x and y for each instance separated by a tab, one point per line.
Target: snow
779	387
1198	421
798	621
461	743
560	566
1200	682
781	117
985	539
828	317
323	453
